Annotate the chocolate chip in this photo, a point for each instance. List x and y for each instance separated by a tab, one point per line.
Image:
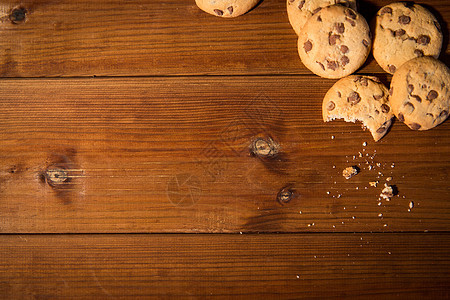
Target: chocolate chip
332	38
386	10
410	88
353	23
365	43
432	95
408	107
400	117
353	98
321	65
443	114
332	65
364	81
385	108
374	78
429	115
404	19
331	105
319	19
377	112
230	9
317	10
218	12
344	49
391	91
418	53
340	27
438	26
392	68
377	97
423	40
300	5
381	129
344	60
307	46
399	32
415	126
339	94
417	98
350	13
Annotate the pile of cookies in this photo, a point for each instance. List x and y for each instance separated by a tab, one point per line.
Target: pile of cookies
334	41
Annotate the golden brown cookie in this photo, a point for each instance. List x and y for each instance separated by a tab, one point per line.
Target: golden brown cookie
226	8
403	31
300	10
420	93
334	42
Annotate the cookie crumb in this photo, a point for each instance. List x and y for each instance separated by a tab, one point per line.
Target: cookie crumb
380	215
364	144
389	178
332	137
349	172
373	183
387	193
411	205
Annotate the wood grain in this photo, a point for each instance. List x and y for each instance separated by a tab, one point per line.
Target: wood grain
149	37
300	266
174	155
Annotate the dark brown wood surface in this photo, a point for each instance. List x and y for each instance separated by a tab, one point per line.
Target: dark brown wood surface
314	266
162	121
171	37
175	155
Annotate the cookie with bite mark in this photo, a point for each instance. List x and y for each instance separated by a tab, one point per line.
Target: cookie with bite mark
359	98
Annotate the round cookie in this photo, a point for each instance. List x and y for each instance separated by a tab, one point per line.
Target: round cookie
226	8
334	42
359	98
300	10
420	95
403	31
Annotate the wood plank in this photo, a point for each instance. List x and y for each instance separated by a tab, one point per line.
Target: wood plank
390	266
147	37
173	155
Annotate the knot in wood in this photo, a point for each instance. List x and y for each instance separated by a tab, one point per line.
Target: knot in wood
285	195
265	147
18	15
56	176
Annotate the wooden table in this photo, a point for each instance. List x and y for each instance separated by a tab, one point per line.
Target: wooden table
150	150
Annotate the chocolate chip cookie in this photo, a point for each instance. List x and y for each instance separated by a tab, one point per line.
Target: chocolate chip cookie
359	98
334	42
420	95
300	10
403	31
226	8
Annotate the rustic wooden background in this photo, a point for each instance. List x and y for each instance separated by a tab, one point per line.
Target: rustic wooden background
129	166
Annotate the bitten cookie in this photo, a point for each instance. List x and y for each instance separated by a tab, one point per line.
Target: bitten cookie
226	8
359	98
403	31
300	10
334	42
420	95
